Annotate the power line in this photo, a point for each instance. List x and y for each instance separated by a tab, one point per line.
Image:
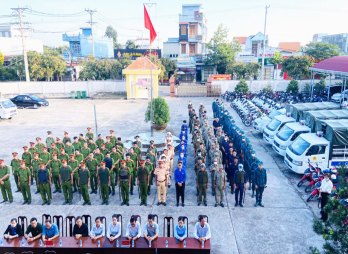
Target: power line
91	23
38	13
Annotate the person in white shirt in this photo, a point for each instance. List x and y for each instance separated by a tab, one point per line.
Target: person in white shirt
133	230
98	230
324	192
151	229
201	232
114	229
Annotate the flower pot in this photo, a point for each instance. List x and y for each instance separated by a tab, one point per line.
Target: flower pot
160	127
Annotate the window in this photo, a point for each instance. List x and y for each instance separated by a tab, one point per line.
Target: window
192	31
76	48
208	71
183	30
183	48
192	49
319	149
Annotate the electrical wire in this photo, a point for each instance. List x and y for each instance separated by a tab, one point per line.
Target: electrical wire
38	13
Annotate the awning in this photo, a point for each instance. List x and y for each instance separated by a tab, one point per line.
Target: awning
334	65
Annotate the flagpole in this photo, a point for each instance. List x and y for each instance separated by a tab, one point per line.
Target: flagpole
151	90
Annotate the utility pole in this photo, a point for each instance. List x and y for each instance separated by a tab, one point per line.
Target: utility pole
91	23
264	45
22	30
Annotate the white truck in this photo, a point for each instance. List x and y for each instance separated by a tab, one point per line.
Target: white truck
291	131
7	109
275	125
328	146
260	123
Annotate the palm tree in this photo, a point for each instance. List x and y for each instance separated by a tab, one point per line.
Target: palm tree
276	59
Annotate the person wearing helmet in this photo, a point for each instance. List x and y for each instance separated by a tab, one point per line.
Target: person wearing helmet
324	192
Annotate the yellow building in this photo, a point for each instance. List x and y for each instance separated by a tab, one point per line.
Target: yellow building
138	71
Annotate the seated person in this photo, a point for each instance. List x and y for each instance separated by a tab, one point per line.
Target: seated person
151	229
201	232
49	231
13	230
80	228
35	229
114	229
133	229
180	230
98	230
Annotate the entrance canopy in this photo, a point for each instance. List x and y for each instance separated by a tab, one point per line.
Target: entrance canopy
335	65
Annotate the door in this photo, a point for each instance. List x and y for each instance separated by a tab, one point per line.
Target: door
19	100
27	101
317	154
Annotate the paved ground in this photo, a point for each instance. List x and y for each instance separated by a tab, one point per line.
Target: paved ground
283	225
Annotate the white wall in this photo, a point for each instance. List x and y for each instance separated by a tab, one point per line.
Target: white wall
61	88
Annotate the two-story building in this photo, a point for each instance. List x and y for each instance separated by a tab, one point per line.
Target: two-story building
188	49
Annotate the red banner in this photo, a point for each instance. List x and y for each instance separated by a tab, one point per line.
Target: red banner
222	77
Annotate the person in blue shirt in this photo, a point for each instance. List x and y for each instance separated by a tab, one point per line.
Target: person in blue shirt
183	159
182	149
50	231
180	230
98	230
180	179
260	183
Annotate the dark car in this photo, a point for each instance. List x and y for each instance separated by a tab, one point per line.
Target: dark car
29	101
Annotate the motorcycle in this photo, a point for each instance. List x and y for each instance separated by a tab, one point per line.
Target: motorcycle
308	174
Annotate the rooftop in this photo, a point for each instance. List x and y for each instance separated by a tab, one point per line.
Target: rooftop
333	65
241	40
141	63
289	46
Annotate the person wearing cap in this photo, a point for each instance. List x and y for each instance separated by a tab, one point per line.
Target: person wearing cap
39	144
54	149
27	156
253	165
202	184
84	183
213	169
33	149
161	178
79	156
45	156
108	144
110	165
85	151
180	179
74	165
197	167
117	157
92	165
98	155
166	162
5	184
59	144
89	134
240	184
143	179
260	183
76	144
69	148
104	183
137	150
44	184
216	124
152	157
124	180
150	168
15	164
91	145
171	153
113	138
49	140
139	144
132	165
24	179
82	140
66	181
54	166
154	149
63	156
99	141
34	167
219	186
233	170
66	137
103	150
120	143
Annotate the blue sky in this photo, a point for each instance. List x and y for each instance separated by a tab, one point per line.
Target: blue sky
287	21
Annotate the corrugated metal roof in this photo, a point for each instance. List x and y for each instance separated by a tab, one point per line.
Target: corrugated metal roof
336	64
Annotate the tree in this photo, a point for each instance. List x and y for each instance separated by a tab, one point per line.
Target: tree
268	89
94	69
322	50
160	111
297	66
158	63
2	58
221	52
320	86
242	86
169	66
242	70
252	69
131	45
110	32
276	60
55	50
18	65
292	87
307	88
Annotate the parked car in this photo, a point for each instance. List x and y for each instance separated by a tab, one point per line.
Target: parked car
29	101
7	109
337	96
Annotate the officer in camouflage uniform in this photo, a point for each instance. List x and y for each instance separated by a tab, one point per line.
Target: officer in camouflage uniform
219	186
15	164
5	184
35	165
213	170
74	164
66	181
124	182
24	178
143	179
92	165
44	184
89	134
84	182
54	166
202	184
104	183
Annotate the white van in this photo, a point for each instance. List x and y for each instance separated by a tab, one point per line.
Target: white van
275	125
7	109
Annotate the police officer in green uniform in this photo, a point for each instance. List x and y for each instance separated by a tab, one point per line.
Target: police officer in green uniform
49	140
154	149
82	140
15	164
69	148
99	141
103	150
121	145
33	149
5	184
44	184
202	184
104	183
117	157
44	155
113	138
143	179
26	156
135	158
24	178
63	156
84	182
66	138
149	167
124	182
59	144
85	151
132	167
35	165
91	145
108	144
74	164
79	156
76	144
54	166
110	165
89	134
92	165
54	149
137	150
66	181
39	144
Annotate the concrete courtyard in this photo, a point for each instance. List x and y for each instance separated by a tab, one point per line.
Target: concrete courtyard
284	225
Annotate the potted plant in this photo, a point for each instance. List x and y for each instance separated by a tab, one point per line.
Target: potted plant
161	115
